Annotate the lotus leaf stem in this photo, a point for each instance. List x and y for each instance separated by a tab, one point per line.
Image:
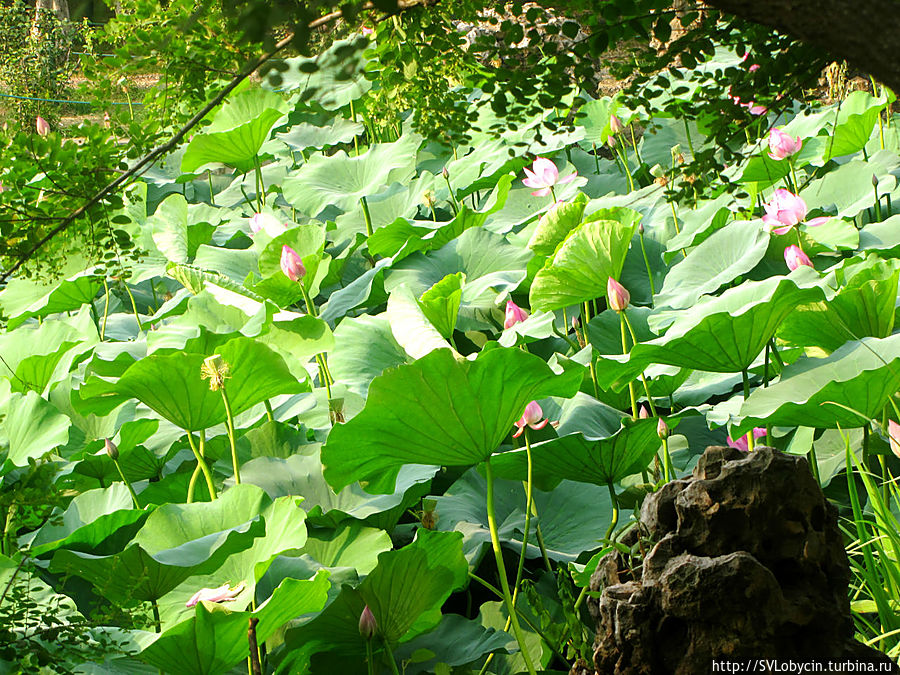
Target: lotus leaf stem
615	512
202	462
229	429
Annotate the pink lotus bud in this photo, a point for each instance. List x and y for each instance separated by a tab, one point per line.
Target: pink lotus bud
111	450
781	145
291	264
43	128
795	257
894	436
514	314
532	417
874	181
643	413
616	296
367	624
615	125
662	430
741	443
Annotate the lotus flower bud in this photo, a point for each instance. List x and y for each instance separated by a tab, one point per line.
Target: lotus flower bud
112	450
616	295
662	430
514	314
894	437
445	173
874	180
615	125
291	264
641	229
643	413
367	624
43	128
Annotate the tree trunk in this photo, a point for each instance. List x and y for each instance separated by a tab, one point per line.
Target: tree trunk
866	33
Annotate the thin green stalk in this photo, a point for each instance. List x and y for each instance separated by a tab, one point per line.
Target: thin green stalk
553	194
212	195
202	462
269	412
95	316
529	502
229	429
624	156
133	305
746	380
156	619
877	205
634	341
260	185
667	463
596	157
687	132
453	204
501	569
105	309
593	370
370	656
637	154
634	408
192	484
355	141
794	176
572	343
134	498
776	355
390	658
366	216
615	512
647	263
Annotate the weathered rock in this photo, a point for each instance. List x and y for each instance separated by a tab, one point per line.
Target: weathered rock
749	563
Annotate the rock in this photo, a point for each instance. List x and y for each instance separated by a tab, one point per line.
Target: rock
748	563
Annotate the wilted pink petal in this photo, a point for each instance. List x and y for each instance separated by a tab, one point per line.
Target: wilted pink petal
617	297
291	264
223	593
815	222
741	443
514	314
795	257
782	145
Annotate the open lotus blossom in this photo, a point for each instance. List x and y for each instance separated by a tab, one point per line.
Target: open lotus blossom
367	624
532	417
223	593
782	145
741	443
267	223
795	257
291	264
787	210
514	314
543	176
42	126
894	437
616	295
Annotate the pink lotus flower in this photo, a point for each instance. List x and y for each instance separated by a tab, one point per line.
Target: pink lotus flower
781	145
795	257
785	211
615	125
741	443
367	624
662	429
753	67
291	264
532	417
894	437
43	128
368	32
267	223
616	296
514	314
643	413
543	176
223	593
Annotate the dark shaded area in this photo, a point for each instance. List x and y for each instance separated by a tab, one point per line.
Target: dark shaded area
749	564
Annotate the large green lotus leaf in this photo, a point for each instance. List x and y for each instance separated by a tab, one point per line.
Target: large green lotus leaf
404	592
173	387
177	541
410	325
302	474
555	225
237	132
698	223
438	410
364	348
234	264
357	292
138	461
455	642
397	201
285	534
575	457
90	520
47	340
305	135
765	170
35	373
857	116
724	334
849	186
728	253
594	117
297	338
352	544
573	516
883	237
340	180
582	265
440	303
332	79
175	237
863	307
861	375
196	279
33	426
215	639
25	298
